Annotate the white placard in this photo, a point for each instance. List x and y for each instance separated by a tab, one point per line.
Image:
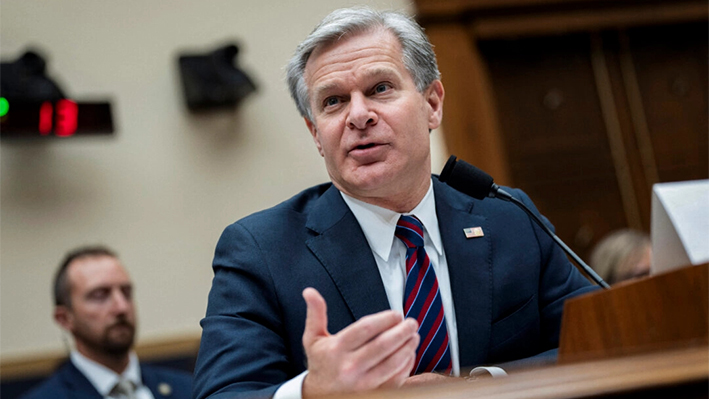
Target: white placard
680	224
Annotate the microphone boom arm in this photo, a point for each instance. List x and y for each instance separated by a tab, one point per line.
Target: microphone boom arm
497	192
472	181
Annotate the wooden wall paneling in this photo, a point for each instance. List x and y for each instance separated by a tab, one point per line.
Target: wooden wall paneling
636	135
447	8
548	21
638	117
635	132
613	106
637	111
470	120
554	134
671	69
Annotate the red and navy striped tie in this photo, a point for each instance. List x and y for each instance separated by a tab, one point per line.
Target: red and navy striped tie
422	300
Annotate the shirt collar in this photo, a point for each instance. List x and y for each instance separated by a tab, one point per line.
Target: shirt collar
379	224
103	378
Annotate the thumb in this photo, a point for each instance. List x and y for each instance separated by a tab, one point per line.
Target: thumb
316	317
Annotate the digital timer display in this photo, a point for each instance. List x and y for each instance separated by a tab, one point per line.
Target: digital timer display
61	118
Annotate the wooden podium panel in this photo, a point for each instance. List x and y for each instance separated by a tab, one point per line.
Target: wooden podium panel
661	312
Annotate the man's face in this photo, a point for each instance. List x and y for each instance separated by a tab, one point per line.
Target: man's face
370	123
102	315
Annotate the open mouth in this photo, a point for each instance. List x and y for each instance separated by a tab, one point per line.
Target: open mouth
367	153
365	146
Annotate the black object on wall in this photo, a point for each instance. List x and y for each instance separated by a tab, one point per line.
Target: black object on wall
25	80
213	80
34	106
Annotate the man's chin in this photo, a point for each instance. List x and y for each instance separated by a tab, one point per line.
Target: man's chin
119	340
368	179
118	347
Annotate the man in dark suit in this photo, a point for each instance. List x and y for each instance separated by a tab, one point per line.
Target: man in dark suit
93	302
405	281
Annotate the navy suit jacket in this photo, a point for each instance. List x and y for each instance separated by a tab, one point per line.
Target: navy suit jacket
508	286
70	383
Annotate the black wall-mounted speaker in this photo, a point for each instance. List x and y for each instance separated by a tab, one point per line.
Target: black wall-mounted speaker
213	80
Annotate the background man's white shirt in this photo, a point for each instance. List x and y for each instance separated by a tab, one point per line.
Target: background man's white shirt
104	379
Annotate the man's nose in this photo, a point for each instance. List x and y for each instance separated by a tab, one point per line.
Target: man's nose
360	113
121	303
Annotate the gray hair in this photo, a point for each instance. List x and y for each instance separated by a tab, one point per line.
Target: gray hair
418	56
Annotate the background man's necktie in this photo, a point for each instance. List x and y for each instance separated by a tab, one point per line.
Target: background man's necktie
124	389
422	300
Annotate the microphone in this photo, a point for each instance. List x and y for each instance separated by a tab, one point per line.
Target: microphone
472	181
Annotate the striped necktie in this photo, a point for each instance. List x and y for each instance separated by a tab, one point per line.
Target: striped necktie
422	300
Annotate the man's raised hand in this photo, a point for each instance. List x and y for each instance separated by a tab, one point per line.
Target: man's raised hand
376	351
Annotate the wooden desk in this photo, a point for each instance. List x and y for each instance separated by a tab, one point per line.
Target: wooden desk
669	374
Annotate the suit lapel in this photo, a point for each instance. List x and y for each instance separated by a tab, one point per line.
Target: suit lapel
159	387
77	384
342	248
150	380
470	267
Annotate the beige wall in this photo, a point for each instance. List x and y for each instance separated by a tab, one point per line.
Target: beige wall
160	190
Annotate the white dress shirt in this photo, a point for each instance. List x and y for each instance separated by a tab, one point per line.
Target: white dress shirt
378	225
104	379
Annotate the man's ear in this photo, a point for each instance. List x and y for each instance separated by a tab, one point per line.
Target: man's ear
64	317
434	98
314	133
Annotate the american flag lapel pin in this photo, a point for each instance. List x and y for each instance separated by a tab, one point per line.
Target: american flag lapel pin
473	232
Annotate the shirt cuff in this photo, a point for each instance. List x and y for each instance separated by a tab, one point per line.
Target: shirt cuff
483	371
292	389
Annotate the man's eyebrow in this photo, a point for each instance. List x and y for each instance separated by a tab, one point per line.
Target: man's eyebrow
110	286
97	289
325	88
379	72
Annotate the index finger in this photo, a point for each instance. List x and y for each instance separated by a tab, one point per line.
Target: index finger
367	328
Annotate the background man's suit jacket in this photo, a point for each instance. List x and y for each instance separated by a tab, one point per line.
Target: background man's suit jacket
70	383
508	286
